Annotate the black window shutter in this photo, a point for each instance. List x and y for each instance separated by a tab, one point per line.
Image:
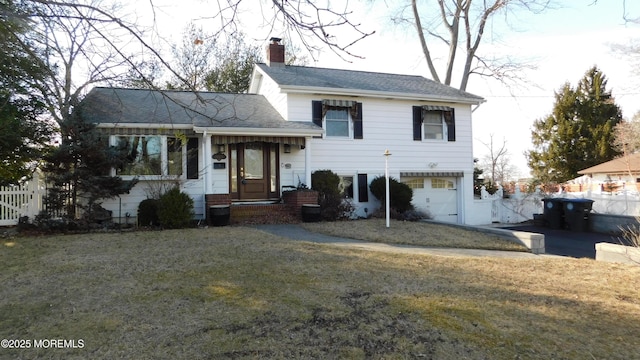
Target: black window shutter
357	122
192	158
450	120
417	123
316	108
363	188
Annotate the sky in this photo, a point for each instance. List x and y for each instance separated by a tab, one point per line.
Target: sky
563	43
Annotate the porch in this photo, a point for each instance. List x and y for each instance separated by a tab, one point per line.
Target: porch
286	210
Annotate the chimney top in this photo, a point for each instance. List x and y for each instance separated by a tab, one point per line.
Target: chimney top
275	52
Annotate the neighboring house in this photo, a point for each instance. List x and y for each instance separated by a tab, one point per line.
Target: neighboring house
622	173
250	147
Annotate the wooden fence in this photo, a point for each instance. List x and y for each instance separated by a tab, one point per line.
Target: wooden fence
23	200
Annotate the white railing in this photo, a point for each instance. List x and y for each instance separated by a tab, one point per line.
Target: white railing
18	201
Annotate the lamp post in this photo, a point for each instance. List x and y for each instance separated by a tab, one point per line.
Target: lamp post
386	183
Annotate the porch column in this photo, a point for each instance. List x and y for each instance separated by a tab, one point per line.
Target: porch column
208	181
307	161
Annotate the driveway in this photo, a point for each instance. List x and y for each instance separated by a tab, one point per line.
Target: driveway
569	243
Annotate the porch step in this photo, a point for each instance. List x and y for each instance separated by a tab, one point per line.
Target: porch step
252	213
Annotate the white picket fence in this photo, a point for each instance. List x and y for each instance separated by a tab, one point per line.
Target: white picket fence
23	200
519	207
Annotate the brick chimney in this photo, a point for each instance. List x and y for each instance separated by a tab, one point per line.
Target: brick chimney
275	52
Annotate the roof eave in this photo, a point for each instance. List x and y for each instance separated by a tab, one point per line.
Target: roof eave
144	125
378	94
246	131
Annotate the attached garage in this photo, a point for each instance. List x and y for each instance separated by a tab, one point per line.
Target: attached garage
435	192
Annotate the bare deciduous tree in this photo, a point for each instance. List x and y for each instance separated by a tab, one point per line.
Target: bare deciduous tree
497	163
461	25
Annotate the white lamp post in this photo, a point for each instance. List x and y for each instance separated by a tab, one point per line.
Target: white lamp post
386	183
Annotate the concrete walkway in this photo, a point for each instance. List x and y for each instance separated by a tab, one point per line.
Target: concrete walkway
296	232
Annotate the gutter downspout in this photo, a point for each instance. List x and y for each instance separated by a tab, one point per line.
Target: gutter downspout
307	161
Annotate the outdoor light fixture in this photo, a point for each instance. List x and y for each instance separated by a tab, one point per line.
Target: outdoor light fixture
221	148
287	148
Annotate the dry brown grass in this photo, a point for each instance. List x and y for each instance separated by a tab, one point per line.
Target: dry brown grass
414	233
236	292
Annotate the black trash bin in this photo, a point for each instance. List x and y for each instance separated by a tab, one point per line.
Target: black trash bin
554	212
311	213
219	215
576	213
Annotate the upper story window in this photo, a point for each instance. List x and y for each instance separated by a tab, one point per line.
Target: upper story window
434	126
434	123
337	123
339	118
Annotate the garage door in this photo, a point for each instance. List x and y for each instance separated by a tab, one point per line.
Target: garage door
436	195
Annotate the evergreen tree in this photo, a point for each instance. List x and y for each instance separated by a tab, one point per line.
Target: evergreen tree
578	133
24	135
232	73
79	169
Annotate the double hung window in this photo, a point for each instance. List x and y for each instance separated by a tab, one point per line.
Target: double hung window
338	118
434	123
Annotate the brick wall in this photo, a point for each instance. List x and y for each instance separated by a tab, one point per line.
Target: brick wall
295	199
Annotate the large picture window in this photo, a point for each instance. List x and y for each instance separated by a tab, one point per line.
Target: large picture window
153	155
143	155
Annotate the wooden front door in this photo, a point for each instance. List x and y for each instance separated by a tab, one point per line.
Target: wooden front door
253	171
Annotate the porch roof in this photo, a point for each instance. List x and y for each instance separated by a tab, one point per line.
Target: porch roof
431	173
219	112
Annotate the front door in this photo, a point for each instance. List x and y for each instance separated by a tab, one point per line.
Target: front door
253	171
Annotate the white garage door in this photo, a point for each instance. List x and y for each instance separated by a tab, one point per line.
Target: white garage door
436	195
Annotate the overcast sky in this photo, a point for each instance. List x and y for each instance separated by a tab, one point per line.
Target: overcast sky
564	43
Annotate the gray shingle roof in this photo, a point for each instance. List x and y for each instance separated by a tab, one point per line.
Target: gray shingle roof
618	165
419	86
166	108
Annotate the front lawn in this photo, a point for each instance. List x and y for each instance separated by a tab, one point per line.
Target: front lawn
414	233
237	292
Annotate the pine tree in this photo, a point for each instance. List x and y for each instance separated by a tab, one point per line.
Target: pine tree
79	170
24	135
578	133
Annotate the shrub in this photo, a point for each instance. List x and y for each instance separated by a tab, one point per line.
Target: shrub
400	194
414	215
175	209
332	205
148	212
325	182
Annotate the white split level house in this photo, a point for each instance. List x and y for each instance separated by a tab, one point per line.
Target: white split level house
293	121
